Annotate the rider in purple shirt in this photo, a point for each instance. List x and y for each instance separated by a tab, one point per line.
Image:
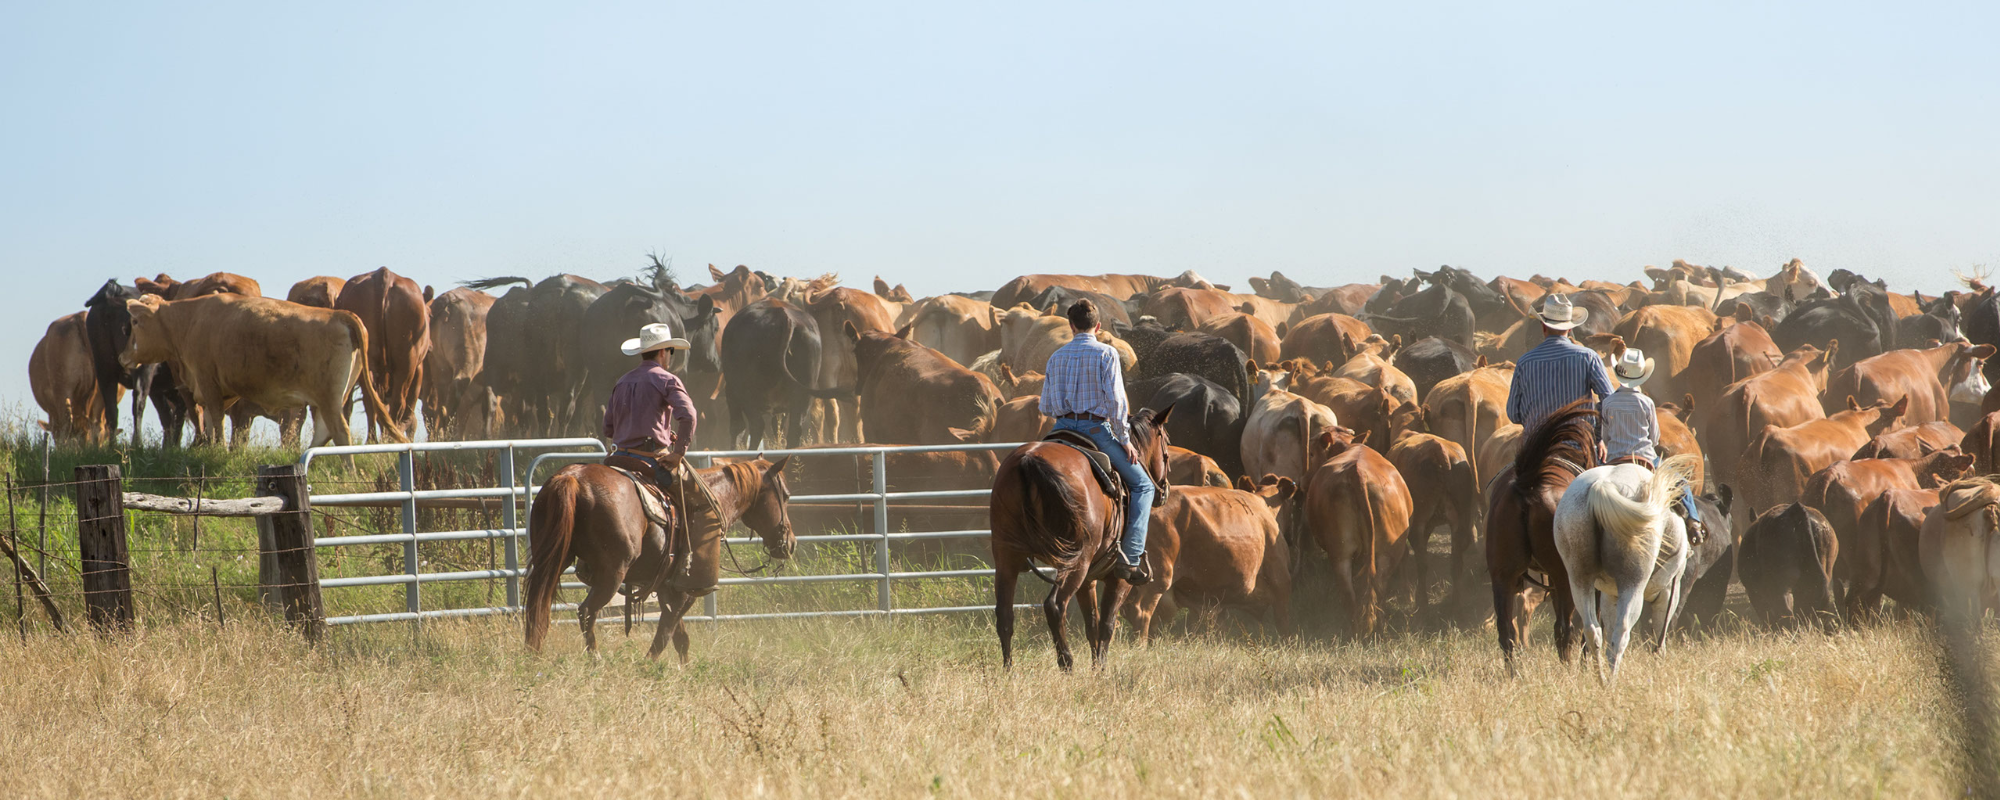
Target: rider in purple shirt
650	420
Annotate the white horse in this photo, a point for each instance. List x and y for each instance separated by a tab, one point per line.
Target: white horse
1620	543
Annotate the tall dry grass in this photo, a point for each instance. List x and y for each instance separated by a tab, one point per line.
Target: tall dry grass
921	707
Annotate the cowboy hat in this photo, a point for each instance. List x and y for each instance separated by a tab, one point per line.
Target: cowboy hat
1633	367
1557	313
653	337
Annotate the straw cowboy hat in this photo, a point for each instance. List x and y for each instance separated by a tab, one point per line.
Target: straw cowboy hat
1557	313
653	337
1633	367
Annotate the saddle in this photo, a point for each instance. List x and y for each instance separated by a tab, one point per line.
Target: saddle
652	498
1100	464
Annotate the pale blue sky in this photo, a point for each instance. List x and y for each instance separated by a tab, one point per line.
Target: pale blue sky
950	146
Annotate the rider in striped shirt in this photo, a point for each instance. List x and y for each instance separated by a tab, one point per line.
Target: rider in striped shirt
1556	372
1084	390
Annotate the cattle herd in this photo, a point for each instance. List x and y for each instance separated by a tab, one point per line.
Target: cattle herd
1842	426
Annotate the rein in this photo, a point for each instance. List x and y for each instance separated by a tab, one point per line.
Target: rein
729	520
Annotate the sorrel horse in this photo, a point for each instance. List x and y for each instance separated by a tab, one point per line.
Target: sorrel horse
1047	506
590	515
1520	525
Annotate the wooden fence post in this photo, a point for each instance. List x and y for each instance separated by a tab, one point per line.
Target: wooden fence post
100	538
286	539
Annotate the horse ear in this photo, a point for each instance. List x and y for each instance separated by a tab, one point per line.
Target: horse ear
778	467
1160	419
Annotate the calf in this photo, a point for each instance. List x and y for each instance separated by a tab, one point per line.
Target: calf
1786	562
1214	548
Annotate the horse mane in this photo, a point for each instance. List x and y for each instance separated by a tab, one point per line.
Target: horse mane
1569	435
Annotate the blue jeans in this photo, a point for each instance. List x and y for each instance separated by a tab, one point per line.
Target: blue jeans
1138	486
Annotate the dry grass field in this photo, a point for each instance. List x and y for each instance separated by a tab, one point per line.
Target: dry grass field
859	708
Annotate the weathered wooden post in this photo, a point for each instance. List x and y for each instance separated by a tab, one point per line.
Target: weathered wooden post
100	538
286	538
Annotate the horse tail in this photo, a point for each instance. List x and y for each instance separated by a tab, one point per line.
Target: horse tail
550	530
1631	518
1051	508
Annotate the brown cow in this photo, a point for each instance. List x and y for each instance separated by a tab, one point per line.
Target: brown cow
1496	454
835	309
1676	437
227	348
1469	407
398	319
1188	468
732	291
961	328
1789	550
1023	288
1020	420
1443	491
1668	334
1355	405
455	395
1184	309
1251	335
213	283
1324	338
318	292
1843	493
1358	510
1279	430
1022	385
1372	367
1215	548
911	394
1774	469
1915	441
1932	379
1983	442
1892	531
1732	354
1028	337
64	382
1784	397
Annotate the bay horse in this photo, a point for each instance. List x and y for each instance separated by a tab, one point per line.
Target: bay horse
1520	523
1046	506
590	515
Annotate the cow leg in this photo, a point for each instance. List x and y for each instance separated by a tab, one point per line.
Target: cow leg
1420	541
239	426
1345	588
850	419
1005	575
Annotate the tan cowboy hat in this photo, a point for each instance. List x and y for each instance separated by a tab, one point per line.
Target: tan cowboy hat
653	337
1558	313
1633	367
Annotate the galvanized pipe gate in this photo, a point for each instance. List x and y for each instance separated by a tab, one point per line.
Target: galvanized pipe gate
513	527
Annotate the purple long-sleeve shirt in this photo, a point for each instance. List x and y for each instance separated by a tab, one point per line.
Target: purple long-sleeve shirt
650	410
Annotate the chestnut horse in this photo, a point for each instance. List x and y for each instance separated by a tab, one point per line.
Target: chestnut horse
1520	524
589	514
1047	506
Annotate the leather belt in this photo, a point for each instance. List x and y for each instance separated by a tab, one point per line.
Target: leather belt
1091	417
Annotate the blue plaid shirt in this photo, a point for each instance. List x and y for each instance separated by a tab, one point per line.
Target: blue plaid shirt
1554	374
1083	377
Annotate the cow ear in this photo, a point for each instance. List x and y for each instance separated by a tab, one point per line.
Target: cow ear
1687	408
1724	498
1851	405
1052	311
853	333
1244	483
1251	367
1982	351
1346	345
1007	375
705	306
1767	323
1901	407
904	332
1479	363
429	294
715	274
963	435
1287	487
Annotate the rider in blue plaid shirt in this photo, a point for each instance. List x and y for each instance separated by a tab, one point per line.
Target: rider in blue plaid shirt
1084	390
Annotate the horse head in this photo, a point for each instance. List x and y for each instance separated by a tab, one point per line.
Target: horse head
1149	437
766	496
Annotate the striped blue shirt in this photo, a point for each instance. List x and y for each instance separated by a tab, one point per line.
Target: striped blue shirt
1631	426
1554	374
1084	377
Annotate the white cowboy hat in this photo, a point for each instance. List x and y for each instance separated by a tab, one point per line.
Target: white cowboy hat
653	337
1633	367
1557	313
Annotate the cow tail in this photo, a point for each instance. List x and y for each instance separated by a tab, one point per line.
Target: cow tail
785	364
371	399
1472	441
550	528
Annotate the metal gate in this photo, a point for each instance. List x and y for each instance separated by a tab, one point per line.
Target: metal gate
520	488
